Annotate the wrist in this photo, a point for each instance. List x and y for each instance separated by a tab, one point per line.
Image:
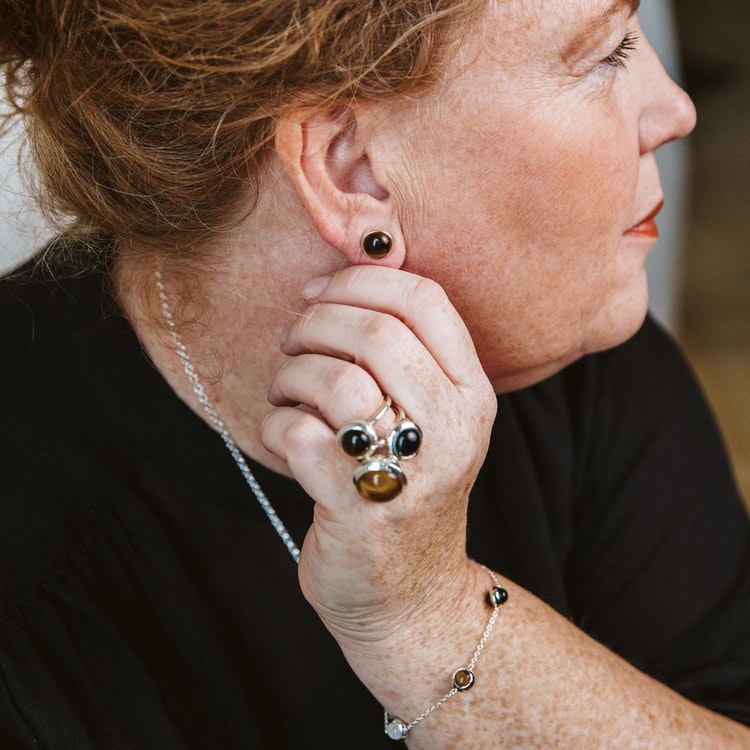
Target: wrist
439	606
431	659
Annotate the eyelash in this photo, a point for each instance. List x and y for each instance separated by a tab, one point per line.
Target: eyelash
619	58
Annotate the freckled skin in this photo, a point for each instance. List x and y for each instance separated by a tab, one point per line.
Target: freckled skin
535	259
540	267
513	186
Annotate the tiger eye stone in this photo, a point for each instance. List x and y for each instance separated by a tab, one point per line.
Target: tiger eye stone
381	484
463	679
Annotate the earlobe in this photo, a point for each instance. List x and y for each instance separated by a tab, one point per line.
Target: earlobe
324	154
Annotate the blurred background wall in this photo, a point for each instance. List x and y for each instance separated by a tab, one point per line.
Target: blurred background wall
21	226
714	313
665	264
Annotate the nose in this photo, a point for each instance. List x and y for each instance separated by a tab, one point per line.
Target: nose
668	114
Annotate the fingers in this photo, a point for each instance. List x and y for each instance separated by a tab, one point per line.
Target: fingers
337	389
308	447
372	332
369	332
381	346
419	303
325	472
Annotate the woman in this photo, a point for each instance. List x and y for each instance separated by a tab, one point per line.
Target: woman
337	230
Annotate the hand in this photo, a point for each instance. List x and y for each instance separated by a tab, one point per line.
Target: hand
392	582
367	567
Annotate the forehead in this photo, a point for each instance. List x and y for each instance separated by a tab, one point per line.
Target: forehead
518	29
524	43
599	17
541	13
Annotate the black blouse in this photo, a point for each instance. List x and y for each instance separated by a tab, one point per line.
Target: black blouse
146	602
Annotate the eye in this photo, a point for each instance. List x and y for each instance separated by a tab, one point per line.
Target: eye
619	57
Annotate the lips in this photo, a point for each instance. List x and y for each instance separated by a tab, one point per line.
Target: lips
647	227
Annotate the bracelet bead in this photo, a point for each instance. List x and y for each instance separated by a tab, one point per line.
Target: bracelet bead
396	729
463	679
498	596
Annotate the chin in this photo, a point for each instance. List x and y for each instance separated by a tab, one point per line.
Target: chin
620	320
614	323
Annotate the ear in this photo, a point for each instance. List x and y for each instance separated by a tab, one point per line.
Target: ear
325	156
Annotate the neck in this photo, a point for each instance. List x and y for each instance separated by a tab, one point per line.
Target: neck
230	316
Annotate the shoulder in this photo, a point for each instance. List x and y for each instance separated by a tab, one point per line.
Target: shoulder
25	298
595	416
662	517
621	402
644	397
649	361
607	404
40	340
50	434
34	307
648	366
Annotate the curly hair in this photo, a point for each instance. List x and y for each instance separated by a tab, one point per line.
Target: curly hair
153	119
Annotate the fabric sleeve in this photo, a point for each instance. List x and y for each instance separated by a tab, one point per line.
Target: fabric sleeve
660	571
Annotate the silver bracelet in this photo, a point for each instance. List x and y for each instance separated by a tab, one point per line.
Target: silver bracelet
463	678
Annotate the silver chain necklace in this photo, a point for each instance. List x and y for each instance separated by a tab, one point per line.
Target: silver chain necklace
218	424
394	728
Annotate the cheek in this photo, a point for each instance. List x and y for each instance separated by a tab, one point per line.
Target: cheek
542	205
526	240
575	187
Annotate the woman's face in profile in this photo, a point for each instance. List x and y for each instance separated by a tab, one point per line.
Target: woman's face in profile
529	178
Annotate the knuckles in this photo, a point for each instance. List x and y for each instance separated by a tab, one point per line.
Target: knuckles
428	295
301	434
297	332
380	331
344	378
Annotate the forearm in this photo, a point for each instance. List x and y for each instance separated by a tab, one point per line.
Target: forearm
540	683
391	580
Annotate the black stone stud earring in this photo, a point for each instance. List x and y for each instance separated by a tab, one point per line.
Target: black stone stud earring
377	244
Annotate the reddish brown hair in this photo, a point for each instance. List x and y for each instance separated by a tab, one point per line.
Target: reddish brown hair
151	119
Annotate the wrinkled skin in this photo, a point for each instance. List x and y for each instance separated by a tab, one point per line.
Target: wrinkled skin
517	185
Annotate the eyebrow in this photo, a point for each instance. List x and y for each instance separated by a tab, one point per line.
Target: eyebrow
596	23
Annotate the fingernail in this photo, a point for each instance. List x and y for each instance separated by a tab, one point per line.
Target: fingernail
314	288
